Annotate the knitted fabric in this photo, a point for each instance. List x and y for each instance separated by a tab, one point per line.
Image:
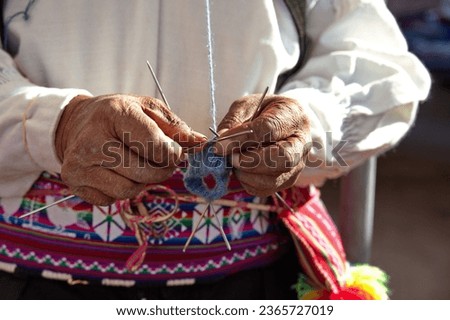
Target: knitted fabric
204	164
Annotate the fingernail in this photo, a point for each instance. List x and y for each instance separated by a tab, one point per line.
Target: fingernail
235	160
183	157
222	131
201	136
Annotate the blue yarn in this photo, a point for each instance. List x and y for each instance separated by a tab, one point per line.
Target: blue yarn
205	163
201	165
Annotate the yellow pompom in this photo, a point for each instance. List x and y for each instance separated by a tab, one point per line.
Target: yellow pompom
369	279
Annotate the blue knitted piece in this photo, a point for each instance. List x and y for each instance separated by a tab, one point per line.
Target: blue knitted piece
201	165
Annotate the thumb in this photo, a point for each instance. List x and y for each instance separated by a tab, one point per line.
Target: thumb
170	123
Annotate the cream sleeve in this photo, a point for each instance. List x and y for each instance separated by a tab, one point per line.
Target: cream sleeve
28	118
360	86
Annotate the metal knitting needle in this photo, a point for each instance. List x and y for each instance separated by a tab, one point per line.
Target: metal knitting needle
157	84
260	104
214	132
45	207
237	134
284	202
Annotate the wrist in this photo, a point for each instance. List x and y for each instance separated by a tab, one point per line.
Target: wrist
65	124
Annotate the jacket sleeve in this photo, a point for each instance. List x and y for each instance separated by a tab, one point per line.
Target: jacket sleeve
360	86
28	118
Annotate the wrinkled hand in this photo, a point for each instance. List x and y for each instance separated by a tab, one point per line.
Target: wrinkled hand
271	157
112	146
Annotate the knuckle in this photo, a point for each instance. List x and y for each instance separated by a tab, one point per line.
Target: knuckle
230	121
160	175
154	174
258	192
92	196
290	181
172	119
127	190
289	155
67	177
249	160
265	129
158	107
259	185
165	154
238	103
71	172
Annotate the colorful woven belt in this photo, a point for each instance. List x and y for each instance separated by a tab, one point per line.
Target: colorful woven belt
140	241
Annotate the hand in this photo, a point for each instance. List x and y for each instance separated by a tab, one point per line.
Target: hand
271	157
112	146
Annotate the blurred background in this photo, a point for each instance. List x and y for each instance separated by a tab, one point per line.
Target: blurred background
411	239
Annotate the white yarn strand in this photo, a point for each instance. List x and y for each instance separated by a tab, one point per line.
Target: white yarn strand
212	84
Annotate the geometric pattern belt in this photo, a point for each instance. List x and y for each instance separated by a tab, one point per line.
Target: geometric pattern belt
75	241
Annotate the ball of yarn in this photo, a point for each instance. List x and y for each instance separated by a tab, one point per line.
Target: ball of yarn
204	164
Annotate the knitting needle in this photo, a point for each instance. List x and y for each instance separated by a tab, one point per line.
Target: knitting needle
224	236
237	134
45	207
260	104
284	202
157	84
194	231
214	132
234	135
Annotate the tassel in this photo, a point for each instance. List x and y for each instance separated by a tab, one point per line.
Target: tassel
363	282
369	279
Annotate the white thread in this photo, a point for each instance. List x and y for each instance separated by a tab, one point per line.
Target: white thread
8	267
52	275
211	65
180	282
118	282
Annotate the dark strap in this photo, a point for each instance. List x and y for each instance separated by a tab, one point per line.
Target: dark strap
297	8
1	20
